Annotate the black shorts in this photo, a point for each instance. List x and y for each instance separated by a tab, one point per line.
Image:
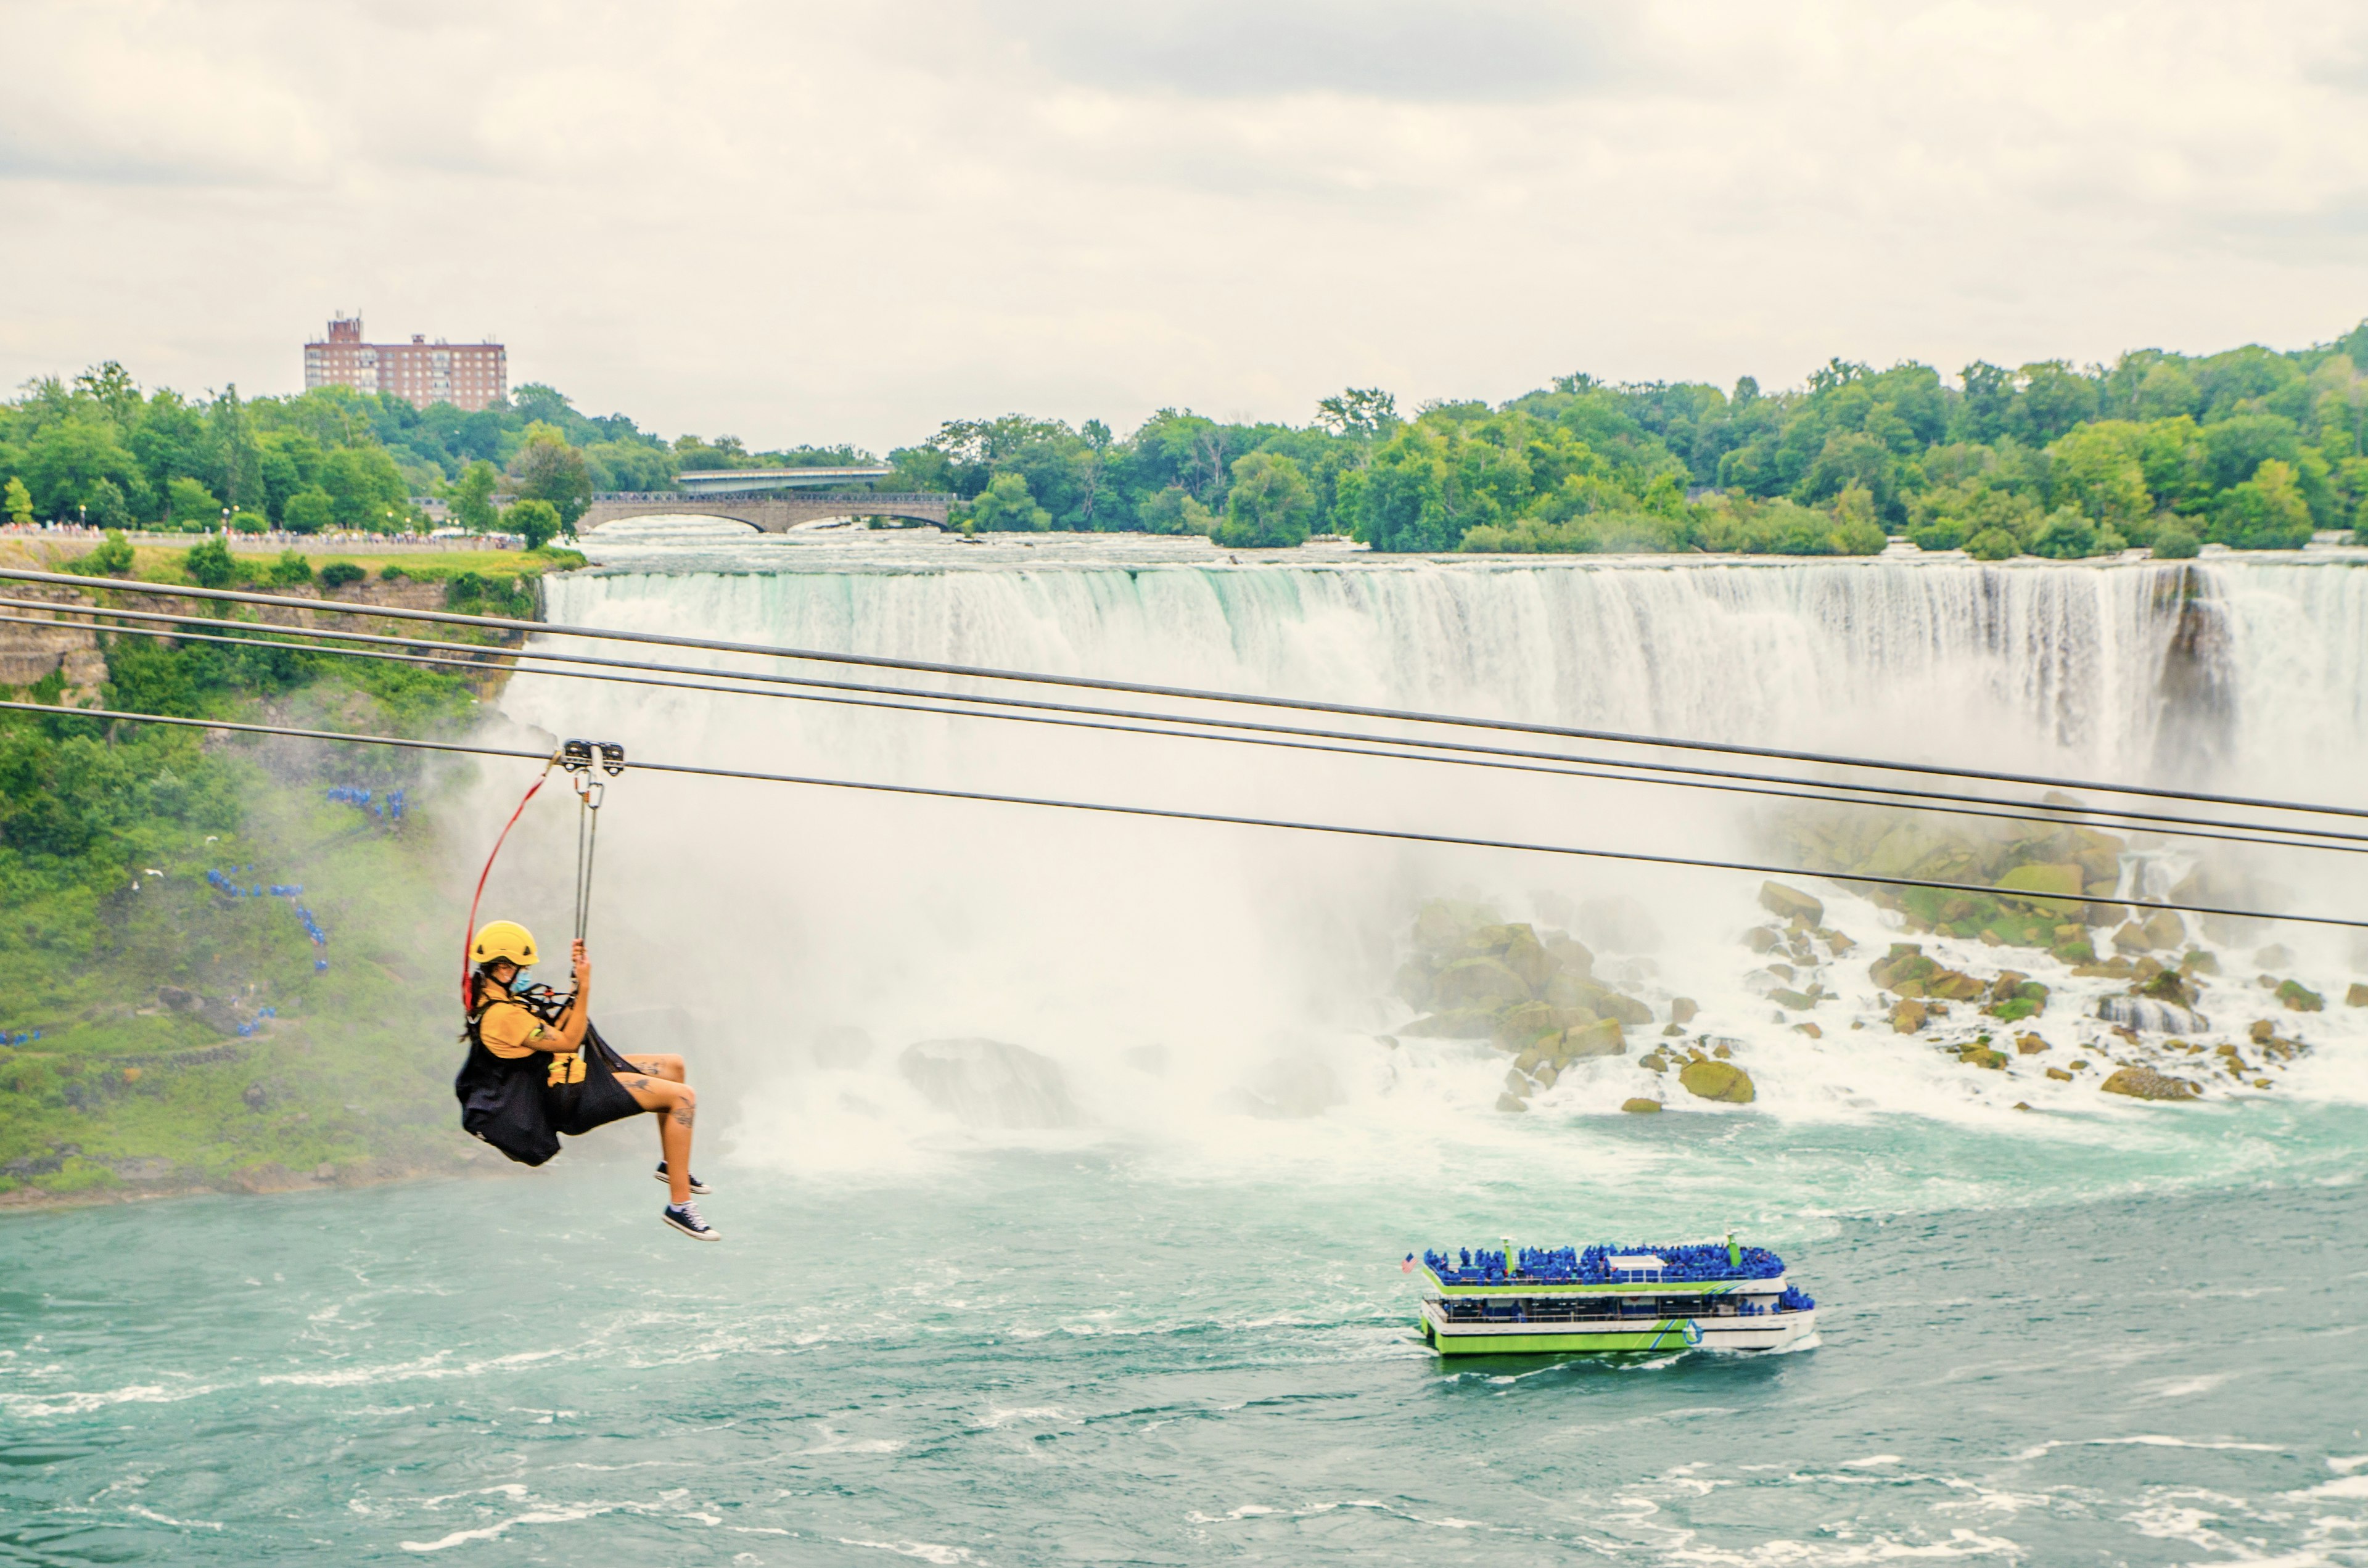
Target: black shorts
577	1109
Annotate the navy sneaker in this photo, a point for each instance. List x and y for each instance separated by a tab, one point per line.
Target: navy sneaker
686	1218
697	1187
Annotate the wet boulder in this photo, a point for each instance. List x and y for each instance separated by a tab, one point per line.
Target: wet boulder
2147	1083
1601	1038
1528	1022
1953	985
1478	983
1722	1081
990	1083
1570	955
1456	1023
1606	1003
1903	964
1908	1016
1442	925
1639	1106
1789	903
2062	879
2300	998
1518	949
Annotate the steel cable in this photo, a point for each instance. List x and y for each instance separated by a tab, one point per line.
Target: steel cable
1407	835
1191	694
453	656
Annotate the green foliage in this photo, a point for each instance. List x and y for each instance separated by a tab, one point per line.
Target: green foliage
113	558
337	574
1270	506
2265	511
1173	510
106	835
1007	504
473	593
211	564
190	504
1993	544
2065	534
548	469
290	570
473	498
538	522
308	511
2156	442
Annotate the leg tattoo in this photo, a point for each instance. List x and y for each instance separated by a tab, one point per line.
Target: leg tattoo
684	1115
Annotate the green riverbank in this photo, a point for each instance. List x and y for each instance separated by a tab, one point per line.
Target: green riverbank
221	967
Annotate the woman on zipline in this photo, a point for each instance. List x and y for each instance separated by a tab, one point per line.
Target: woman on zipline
584	1083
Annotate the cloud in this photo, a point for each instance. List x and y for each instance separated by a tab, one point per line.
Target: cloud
799	220
1419	50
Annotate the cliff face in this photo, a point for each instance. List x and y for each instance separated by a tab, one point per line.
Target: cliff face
30	654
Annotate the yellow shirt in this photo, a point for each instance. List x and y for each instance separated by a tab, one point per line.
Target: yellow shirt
510	1030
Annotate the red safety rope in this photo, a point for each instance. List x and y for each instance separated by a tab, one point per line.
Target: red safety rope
468	994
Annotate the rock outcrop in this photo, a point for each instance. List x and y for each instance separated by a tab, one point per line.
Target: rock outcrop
2147	1083
1788	903
2300	998
1531	992
1712	1080
990	1083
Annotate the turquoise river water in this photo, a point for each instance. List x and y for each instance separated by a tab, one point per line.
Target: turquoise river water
2144	1349
1065	1164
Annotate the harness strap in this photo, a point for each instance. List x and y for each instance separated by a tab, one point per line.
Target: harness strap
468	987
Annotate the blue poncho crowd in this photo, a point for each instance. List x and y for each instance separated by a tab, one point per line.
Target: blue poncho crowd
1570	1265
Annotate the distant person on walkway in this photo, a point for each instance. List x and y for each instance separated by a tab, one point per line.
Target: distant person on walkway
538	1068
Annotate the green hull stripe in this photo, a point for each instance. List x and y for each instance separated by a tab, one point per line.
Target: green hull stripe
1667	1334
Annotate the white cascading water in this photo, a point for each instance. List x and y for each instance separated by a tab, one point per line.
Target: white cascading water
1198	982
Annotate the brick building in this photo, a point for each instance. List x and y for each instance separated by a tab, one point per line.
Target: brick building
466	375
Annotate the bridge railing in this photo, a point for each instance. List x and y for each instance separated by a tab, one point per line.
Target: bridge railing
794	497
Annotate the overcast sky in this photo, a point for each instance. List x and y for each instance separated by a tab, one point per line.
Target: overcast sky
797	221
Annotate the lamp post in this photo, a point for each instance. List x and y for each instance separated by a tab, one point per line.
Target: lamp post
225	523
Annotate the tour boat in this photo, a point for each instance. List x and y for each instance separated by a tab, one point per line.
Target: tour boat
1713	1296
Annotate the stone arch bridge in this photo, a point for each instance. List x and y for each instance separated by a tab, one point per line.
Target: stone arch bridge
773	511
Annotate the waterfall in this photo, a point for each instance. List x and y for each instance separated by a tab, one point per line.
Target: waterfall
1166	965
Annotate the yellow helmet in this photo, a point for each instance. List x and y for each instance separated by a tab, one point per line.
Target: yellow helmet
502	940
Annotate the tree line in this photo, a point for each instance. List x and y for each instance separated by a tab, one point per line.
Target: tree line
2253	448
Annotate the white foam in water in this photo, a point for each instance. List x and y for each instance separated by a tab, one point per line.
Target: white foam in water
1212	995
